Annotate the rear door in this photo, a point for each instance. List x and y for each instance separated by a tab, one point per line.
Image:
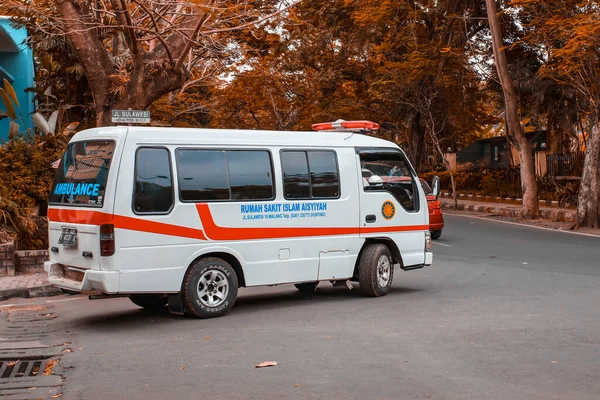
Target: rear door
392	203
81	200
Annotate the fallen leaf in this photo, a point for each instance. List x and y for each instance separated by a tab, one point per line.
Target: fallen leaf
32	388
297	385
207	338
68	351
554	362
56	396
182	368
12	363
266	364
49	366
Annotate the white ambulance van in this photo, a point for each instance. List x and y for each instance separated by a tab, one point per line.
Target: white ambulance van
185	217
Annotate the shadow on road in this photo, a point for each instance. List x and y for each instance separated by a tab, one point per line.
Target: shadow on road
116	320
269	301
124	320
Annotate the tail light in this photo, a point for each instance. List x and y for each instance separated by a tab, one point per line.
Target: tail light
107	240
427	240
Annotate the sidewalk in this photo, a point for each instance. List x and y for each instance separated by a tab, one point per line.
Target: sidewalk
553	213
27	286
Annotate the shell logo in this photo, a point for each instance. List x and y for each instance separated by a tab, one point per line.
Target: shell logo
388	210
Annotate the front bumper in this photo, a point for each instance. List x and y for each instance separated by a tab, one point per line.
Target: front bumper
80	280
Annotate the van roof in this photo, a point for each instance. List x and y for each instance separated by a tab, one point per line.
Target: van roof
232	137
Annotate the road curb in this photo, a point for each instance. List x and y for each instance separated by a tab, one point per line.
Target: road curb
517	201
551	215
27	293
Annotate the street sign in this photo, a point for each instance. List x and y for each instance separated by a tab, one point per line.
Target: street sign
131	116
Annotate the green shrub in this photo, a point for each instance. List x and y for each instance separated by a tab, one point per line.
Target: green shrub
26	176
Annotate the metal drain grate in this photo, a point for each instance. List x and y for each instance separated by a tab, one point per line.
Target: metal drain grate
18	369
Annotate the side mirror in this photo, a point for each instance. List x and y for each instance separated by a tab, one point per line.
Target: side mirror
435	184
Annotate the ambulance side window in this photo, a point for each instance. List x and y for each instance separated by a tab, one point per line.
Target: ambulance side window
225	175
153	190
295	175
312	174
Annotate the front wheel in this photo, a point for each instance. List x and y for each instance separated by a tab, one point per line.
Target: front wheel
376	270
149	302
436	234
210	288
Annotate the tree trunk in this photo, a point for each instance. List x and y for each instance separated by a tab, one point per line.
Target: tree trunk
588	202
90	51
554	136
417	142
513	122
436	144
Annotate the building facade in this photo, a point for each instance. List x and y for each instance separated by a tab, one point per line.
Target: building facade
17	67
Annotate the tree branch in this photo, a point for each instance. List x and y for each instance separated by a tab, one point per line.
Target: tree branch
158	35
189	43
247	24
125	19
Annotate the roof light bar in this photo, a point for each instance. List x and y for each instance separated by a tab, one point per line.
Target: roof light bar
341	125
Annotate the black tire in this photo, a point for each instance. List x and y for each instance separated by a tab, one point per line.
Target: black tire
149	302
369	270
436	234
213	271
307	287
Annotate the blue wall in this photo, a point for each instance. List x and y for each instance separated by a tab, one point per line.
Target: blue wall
18	64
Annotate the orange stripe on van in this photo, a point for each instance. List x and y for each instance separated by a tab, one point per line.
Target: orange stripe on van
141	225
85	217
133	224
211	229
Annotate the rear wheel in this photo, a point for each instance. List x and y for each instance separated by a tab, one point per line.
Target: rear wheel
436	234
149	302
376	270
210	288
307	287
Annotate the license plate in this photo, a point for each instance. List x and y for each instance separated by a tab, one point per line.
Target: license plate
68	237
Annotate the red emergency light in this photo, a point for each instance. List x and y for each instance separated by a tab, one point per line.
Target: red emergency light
341	125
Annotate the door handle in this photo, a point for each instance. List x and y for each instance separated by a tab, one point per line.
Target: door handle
370	218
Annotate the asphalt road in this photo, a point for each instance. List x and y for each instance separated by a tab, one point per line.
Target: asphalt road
505	312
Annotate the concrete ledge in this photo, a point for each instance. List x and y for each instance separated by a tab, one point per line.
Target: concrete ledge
505	200
27	293
553	215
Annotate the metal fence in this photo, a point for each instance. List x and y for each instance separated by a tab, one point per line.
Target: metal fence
565	165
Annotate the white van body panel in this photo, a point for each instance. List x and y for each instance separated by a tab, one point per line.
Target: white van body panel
280	244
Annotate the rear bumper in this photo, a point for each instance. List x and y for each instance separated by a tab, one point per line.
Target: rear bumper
82	280
428	258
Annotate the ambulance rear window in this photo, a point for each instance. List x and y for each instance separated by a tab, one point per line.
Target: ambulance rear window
82	173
